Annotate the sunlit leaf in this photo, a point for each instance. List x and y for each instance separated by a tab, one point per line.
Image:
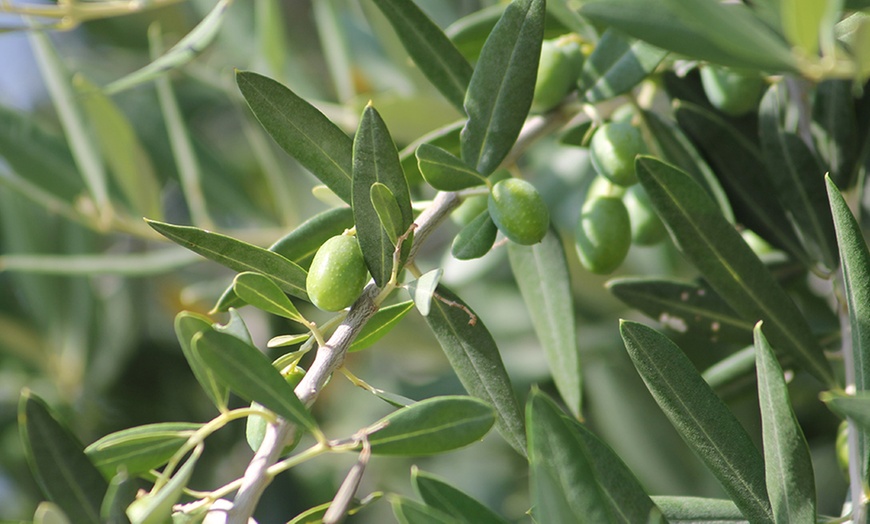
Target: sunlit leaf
187	325
422	290
617	64
445	172
438	494
387	209
57	460
728	264
500	92
380	324
139	449
541	272
701	418
801	23
433	426
474	356
261	292
156	507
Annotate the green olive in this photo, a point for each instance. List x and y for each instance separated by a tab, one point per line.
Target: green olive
732	91
558	70
613	149
518	211
255	429
603	234
647	228
337	274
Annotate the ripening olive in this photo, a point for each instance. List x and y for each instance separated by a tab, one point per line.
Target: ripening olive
518	211
255	429
558	70
647	228
603	234
613	149
337	274
732	91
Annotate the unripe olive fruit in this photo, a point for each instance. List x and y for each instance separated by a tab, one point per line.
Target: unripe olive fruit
255	429
337	274
518	211
603	234
558	70
732	91
647	228
613	149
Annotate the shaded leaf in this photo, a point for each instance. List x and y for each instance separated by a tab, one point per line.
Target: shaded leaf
156	507
855	407
476	238
380	324
139	449
261	292
250	374
687	308
375	160
701	418
787	462
237	255
617	64
445	172
301	130
474	356
388	212
500	92
438	494
408	511
564	485
541	272
432	426
121	493
446	138
835	129
698	509
422	290
728	264
187	325
57	460
429	47
797	177
181	53
741	169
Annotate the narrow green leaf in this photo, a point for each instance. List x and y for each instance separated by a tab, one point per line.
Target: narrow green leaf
801	20
541	272
429	47
387	209
311	515
729	264
248	372
500	92
49	513
741	169
181	53
476	238
735	370
237	255
156	507
375	160
474	356
287	340
58	462
408	511
438	494
187	325
698	509
564	485
788	466
617	64
835	129
380	324
677	149
687	308
470	32
855	407
128	264
125	155
422	290
664	24
797	177
445	172
701	418
121	493
261	292
140	449
39	156
431	426
301	130
446	137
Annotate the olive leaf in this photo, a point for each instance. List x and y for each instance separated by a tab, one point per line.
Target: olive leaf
387	210
617	64
139	449
445	172
476	238
438	494
261	292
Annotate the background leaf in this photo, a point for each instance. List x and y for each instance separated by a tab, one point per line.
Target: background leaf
500	92
58	462
440	495
380	324
187	325
702	419
617	64
408	511
474	357
156	507
835	129
445	172
432	426
728	264
139	449
541	272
